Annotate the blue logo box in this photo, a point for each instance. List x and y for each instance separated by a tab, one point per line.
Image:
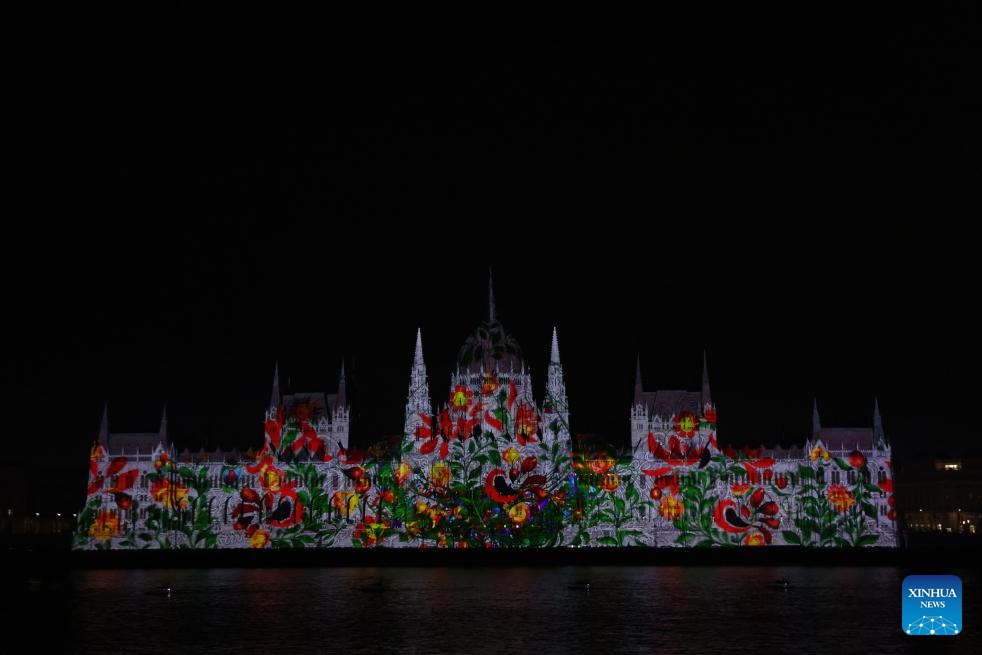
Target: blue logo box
932	605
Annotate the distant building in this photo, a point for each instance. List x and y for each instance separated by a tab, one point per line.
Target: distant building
941	495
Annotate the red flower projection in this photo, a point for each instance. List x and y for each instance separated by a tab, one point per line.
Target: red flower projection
680	454
737	517
856	459
526	424
315	445
288	511
425	429
460	428
497	488
489	384
274	430
118	480
371	531
686	424
461	398
601	463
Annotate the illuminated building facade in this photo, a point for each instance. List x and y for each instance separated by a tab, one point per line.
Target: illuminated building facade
490	467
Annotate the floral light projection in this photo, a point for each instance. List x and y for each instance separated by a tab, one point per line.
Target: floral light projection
491	468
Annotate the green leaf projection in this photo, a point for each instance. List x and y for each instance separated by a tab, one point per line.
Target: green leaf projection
491	468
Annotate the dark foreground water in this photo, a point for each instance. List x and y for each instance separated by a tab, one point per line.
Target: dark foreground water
502	610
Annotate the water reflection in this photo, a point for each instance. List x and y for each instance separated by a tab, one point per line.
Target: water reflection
453	610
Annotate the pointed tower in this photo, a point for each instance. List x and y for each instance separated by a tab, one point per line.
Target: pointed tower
816	421
163	426
418	402
639	413
490	298
104	426
341	417
342	400
274	398
556	404
707	398
877	422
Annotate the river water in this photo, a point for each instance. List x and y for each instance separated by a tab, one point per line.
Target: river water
474	610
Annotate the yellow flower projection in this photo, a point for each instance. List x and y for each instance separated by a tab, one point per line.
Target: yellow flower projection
170	495
402	472
461	397
819	453
440	474
345	502
259	539
519	513
610	482
671	508
105	526
840	498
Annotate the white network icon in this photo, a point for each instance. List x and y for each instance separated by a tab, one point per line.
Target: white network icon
932	625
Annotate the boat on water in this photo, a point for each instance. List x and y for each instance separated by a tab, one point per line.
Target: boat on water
781	583
582	586
163	590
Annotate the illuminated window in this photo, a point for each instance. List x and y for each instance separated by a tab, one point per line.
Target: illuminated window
953	466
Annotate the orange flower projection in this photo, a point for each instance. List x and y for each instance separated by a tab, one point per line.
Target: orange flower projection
105	526
840	498
671	508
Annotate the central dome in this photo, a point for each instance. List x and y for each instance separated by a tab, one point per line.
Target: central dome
489	347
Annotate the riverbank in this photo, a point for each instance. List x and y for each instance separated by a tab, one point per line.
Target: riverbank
39	562
40	557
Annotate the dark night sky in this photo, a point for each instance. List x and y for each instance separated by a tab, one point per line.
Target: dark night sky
199	195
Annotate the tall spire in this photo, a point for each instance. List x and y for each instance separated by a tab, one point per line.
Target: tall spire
556	385
707	398
274	399
418	359
163	425
104	426
877	420
342	393
490	297
816	421
638	390
418	400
